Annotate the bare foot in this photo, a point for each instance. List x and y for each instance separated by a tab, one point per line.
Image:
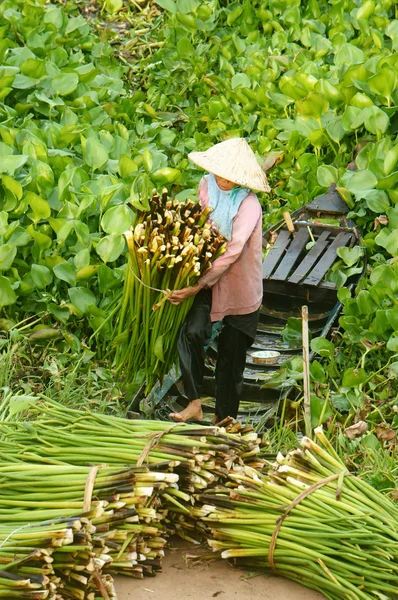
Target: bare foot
215	420
193	412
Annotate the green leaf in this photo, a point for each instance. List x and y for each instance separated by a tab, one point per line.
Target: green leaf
313	106
327	175
126	166
384	82
392	243
7	294
112	6
13	186
66	272
10	164
169	5
349	54
377	201
110	247
82	258
240	80
20	403
40	208
376	120
117	219
65	83
323	347
82	298
158	348
41	276
95	154
185	49
354	377
358	182
350	255
392	343
7	255
317	408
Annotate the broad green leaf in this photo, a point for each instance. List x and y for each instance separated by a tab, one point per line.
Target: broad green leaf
19	403
66	272
42	240
392	343
358	182
40	208
327	175
240	80
7	255
82	297
376	120
65	83
169	5
185	49
126	166
377	201
392	243
7	294
110	247
349	54
350	255
384	83
323	347
353	377
313	106
95	154
82	258
158	348
12	185
41	276
10	164
117	219
112	6
320	410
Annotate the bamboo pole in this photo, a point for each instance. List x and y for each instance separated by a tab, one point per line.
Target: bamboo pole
306	371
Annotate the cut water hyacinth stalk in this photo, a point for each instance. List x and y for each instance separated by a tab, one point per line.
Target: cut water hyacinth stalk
170	246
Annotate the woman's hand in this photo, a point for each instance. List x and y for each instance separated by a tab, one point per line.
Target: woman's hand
180	295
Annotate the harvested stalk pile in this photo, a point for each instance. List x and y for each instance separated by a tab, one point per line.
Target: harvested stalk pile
309	520
140	492
170	247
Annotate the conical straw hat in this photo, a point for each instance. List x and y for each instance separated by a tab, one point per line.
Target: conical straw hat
233	160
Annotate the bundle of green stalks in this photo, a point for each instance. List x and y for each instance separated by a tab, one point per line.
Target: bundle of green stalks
308	520
53	559
170	247
149	473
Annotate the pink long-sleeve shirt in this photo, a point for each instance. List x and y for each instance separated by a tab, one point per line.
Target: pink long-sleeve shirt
236	277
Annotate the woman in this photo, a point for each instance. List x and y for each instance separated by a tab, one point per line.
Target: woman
231	290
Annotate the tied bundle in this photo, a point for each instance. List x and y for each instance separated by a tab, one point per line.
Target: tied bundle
111	517
309	520
170	247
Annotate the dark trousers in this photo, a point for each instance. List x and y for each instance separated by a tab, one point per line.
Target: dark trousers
233	343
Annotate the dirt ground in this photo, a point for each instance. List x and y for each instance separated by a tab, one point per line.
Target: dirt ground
215	579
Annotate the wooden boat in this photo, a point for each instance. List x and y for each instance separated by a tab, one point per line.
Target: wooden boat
295	273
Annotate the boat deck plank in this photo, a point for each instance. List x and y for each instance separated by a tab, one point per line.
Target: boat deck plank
276	252
321	268
311	258
292	255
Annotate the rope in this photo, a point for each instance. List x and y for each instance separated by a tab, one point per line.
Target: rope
155	439
12	533
145	285
89	488
295	502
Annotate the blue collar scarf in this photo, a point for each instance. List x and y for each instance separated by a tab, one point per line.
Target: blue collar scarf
225	205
